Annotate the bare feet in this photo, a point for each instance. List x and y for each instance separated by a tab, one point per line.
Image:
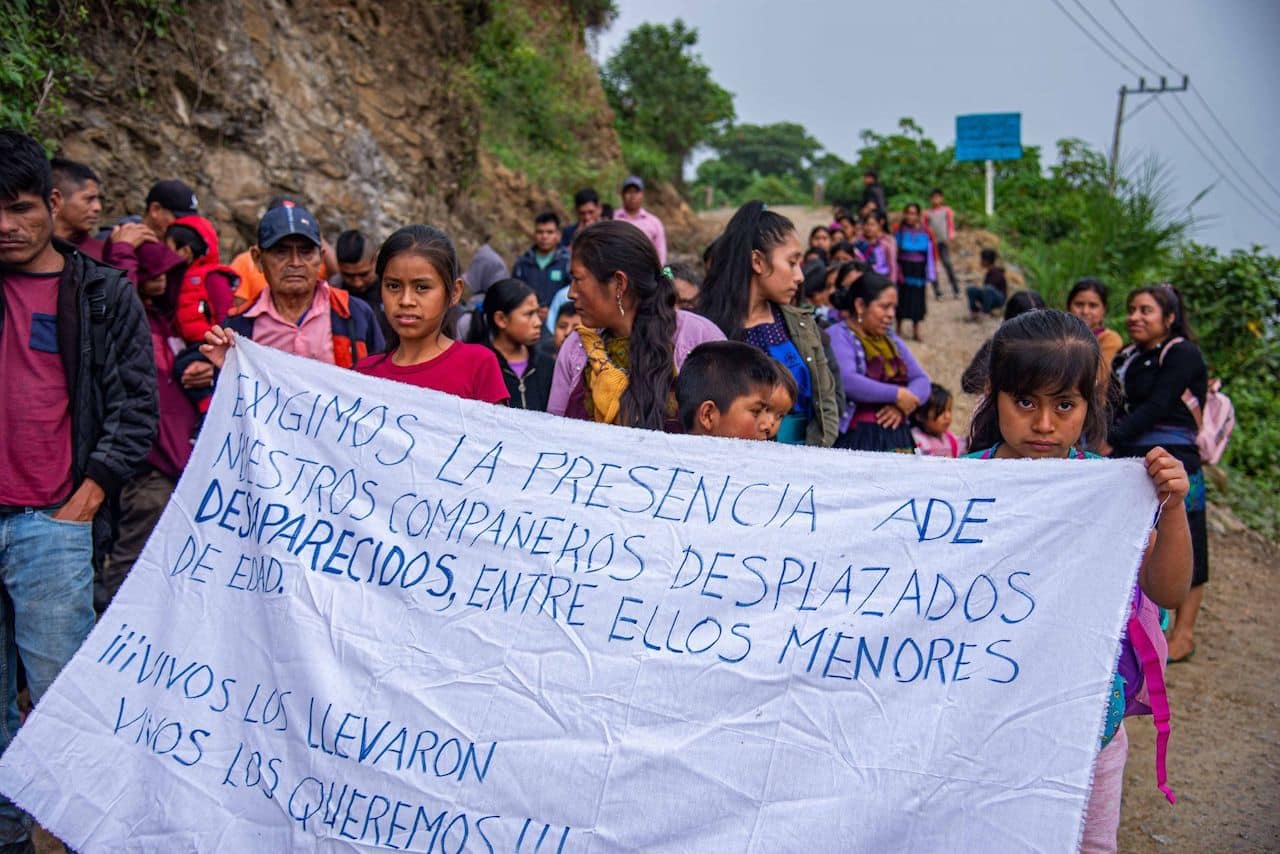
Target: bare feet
1181	648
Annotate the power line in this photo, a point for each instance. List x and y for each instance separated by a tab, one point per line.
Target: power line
1143	38
1226	160
1232	140
1208	109
1212	166
1094	39
1114	40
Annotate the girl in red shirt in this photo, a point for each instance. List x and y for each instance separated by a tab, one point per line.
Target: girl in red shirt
421	282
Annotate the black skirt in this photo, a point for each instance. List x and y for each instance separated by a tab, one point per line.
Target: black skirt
911	302
869	436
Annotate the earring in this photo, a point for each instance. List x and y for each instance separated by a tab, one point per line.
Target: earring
622	311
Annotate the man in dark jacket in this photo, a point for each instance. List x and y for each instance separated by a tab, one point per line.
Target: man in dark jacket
358	274
77	417
586	203
873	192
545	266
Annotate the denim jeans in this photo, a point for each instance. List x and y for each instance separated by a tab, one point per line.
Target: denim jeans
944	255
46	612
984	299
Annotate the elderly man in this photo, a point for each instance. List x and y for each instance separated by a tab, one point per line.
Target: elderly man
298	311
77	417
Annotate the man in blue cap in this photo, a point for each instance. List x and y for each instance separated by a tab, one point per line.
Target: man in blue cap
633	212
298	311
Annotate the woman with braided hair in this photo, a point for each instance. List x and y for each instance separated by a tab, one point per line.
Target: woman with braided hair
754	275
619	366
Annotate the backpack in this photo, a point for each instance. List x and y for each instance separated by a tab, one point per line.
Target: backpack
1139	679
1215	420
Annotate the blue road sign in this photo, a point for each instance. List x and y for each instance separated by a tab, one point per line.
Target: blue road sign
989	136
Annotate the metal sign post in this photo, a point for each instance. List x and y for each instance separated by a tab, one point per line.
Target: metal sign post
989	137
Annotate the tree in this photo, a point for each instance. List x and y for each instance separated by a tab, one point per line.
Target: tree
662	92
783	149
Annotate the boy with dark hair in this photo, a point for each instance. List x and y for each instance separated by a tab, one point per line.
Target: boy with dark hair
586	204
566	322
77	418
545	266
208	285
941	222
687	282
76	203
358	275
723	389
872	192
986	298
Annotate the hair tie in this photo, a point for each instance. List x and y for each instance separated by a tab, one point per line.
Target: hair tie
668	275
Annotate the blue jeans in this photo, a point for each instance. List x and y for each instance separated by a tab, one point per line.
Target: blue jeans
985	299
46	612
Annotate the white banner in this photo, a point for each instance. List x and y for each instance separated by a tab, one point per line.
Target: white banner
374	616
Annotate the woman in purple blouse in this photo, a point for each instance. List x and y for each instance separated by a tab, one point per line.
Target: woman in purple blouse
883	382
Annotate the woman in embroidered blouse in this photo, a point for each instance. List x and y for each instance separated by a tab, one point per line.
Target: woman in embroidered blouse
883	382
620	365
754	275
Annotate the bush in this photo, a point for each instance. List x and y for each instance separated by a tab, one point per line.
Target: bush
1234	304
40	51
1066	223
528	79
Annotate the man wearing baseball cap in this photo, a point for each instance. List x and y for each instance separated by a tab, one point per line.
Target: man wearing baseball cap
633	212
299	312
167	201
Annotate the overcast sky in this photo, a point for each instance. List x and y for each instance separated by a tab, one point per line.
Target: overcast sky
840	67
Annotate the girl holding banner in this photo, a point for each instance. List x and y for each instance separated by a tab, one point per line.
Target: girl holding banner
1044	398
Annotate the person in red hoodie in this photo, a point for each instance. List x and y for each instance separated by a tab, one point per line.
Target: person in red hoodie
159	274
207	287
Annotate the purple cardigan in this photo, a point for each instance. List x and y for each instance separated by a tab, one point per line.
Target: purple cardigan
861	390
567	391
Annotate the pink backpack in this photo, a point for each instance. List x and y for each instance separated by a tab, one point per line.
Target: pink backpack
1215	422
1146	694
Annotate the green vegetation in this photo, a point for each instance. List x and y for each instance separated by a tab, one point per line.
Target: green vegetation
777	163
1064	223
40	51
1235	311
664	100
529	82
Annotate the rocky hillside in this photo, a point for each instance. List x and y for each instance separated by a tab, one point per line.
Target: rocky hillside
376	113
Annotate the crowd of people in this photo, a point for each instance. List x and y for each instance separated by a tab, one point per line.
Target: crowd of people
111	342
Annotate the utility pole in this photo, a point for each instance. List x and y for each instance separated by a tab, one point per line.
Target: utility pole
1142	89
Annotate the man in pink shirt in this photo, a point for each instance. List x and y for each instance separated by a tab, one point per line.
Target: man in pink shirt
298	311
633	212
